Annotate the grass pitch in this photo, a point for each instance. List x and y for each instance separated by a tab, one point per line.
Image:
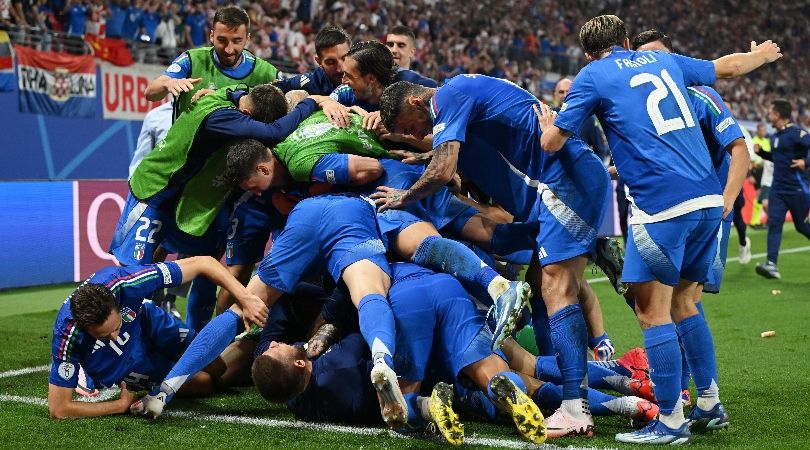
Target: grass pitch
762	380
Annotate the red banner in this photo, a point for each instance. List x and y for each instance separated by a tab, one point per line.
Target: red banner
123	90
112	50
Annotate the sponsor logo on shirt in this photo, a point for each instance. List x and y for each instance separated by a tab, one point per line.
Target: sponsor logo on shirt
439	128
304	80
330	177
66	370
174	68
724	124
563	107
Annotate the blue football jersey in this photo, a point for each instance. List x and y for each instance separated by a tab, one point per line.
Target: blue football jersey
718	126
657	145
500	139
72	346
792	142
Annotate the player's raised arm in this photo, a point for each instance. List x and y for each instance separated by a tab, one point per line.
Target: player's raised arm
737	64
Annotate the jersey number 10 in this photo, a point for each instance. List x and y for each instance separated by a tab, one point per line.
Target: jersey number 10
663	85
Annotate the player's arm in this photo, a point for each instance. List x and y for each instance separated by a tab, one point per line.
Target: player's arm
737	171
163	85
253	308
553	138
737	64
62	406
423	145
438	173
801	164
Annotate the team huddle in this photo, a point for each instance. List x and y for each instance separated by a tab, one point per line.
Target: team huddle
397	211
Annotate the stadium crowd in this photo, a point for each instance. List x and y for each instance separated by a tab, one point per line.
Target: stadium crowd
527	42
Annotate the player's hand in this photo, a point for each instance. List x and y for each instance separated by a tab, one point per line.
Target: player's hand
409	157
254	311
337	114
180	85
545	116
372	121
768	49
728	205
396	137
357	110
389	198
798	164
200	94
127	398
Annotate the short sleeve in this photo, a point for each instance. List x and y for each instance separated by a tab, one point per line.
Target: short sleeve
580	103
695	71
451	110
180	67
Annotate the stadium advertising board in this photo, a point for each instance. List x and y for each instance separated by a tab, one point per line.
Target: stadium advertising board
97	207
123	90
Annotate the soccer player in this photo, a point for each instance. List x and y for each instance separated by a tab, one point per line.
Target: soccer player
402	43
762	143
225	63
729	156
480	126
433	314
331	45
106	327
173	194
340	233
790	154
672	242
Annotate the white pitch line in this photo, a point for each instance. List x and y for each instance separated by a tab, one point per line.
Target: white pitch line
25	371
360	431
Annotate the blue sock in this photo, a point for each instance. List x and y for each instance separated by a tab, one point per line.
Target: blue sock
596	400
548	397
594	341
570	336
542	331
513	237
546	369
415	419
448	256
378	327
205	347
699	348
515	378
686	376
661	344
475	402
202	298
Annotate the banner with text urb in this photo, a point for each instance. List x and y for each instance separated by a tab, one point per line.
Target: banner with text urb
123	88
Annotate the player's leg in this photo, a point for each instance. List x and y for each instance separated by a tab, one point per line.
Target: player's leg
777	209
598	339
139	232
799	206
739	224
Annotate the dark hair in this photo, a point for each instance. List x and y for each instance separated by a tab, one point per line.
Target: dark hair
330	36
232	16
242	158
402	30
373	57
782	107
645	37
91	304
394	98
268	103
278	380
601	33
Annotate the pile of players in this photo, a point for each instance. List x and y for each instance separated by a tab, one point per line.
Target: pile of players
391	268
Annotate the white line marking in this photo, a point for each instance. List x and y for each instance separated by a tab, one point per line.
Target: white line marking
360	431
25	371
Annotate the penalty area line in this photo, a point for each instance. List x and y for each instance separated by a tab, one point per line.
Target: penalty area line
360	431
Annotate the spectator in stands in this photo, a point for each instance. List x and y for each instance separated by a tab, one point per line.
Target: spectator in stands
77	17
196	26
150	18
402	43
166	33
132	22
116	15
22	12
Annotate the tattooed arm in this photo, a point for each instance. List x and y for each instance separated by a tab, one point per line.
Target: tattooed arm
438	173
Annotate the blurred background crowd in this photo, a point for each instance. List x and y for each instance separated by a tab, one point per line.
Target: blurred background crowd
530	42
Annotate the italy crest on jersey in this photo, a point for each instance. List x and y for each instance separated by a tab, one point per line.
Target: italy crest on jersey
139	251
127	314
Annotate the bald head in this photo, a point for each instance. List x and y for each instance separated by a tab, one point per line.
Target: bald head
561	90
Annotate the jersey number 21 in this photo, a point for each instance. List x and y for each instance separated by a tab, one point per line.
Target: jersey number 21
663	85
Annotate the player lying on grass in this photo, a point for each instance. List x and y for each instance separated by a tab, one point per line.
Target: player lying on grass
340	232
106	327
